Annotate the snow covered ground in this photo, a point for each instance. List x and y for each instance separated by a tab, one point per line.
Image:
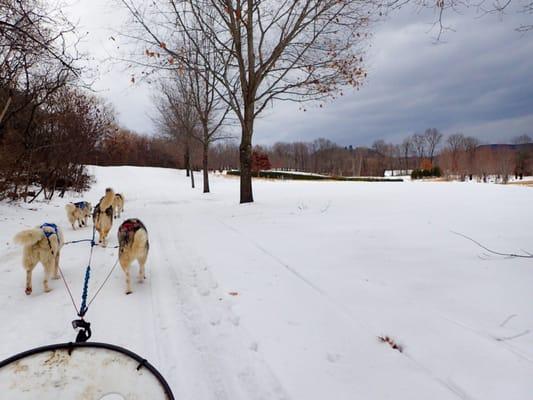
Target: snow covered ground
285	298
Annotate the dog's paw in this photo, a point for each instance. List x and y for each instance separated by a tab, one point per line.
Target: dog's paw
55	277
129	292
28	291
47	290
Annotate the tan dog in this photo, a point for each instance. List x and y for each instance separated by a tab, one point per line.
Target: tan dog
42	244
118	204
78	212
133	245
103	216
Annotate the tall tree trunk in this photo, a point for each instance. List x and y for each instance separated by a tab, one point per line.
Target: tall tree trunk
205	167
187	157
192	178
245	155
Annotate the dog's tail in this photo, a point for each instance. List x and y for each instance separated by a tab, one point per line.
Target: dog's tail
29	237
140	240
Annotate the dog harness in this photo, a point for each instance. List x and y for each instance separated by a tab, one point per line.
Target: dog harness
127	231
48	233
80	204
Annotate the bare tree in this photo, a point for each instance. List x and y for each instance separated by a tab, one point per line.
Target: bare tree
482	7
386	152
406	149
203	90
292	50
432	137
522	139
456	145
524	154
505	164
419	146
34	39
471	145
178	117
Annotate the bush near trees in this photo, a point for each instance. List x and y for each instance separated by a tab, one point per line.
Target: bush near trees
434	172
260	162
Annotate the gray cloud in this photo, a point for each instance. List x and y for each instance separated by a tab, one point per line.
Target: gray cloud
478	80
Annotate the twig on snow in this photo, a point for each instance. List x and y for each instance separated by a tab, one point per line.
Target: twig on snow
512	255
501	339
507	319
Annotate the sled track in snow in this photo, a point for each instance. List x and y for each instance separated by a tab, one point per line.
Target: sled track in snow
195	312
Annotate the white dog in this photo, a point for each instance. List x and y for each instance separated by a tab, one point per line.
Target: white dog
78	212
118	204
42	244
133	245
103	216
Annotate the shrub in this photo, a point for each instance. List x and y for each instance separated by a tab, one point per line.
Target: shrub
426	173
436	171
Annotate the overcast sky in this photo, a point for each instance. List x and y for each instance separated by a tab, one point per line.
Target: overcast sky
477	80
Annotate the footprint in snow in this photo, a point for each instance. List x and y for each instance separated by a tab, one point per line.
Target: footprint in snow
333	357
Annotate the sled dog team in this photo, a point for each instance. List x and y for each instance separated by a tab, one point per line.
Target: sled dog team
43	243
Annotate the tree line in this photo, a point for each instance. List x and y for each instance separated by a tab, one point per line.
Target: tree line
218	63
456	155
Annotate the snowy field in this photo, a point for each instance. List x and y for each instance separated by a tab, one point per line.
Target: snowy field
285	298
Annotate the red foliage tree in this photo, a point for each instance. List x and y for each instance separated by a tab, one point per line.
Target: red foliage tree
260	161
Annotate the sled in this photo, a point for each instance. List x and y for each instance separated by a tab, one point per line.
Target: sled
81	371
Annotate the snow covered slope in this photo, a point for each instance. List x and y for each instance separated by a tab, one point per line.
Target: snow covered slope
285	298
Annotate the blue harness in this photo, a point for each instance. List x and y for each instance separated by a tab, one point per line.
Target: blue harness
48	233
80	204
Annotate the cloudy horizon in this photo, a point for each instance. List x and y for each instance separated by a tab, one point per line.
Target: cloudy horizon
477	80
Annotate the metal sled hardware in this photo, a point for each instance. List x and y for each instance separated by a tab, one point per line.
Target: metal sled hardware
81	371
